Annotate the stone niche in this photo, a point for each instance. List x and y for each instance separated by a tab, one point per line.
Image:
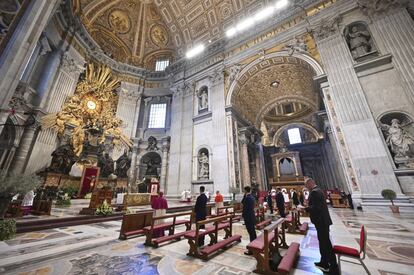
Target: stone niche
360	41
398	132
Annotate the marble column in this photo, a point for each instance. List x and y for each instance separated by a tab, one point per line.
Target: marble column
14	58
63	86
22	154
133	173
129	103
367	153
164	163
244	158
174	178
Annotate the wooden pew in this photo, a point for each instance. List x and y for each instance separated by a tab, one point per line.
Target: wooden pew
261	221
219	223
229	210
337	201
168	225
133	224
293	223
266	246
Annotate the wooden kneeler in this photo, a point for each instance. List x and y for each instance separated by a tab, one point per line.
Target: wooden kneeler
266	246
219	223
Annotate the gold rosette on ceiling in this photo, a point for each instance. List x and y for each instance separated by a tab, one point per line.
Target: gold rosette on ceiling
93	105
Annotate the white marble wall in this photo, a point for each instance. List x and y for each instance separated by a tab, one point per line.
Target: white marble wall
368	154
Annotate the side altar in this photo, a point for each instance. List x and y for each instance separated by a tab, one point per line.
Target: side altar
287	170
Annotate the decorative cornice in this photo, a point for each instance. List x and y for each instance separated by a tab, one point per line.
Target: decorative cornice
70	65
130	94
377	8
326	27
217	76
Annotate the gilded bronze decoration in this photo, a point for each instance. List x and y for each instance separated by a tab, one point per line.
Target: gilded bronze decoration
90	113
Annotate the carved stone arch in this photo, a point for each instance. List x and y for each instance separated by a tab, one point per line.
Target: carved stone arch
391	112
293	125
308	59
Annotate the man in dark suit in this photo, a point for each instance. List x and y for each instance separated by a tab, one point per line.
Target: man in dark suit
280	202
270	202
249	217
319	216
200	210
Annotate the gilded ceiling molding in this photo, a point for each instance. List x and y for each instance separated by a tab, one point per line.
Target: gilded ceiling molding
313	104
317	68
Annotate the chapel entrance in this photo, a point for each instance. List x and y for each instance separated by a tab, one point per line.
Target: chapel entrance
283	131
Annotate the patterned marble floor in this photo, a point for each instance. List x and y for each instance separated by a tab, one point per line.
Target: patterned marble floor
95	249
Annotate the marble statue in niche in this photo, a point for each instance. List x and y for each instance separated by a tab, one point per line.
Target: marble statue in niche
359	40
399	141
203	166
203	98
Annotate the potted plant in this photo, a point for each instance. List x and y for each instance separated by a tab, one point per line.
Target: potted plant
390	195
7	229
15	184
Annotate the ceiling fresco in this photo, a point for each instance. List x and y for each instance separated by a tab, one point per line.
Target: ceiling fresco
129	31
137	31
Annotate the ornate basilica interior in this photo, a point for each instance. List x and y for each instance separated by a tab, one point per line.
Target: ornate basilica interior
143	96
320	90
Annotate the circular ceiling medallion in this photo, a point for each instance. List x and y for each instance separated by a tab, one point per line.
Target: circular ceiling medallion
159	35
119	21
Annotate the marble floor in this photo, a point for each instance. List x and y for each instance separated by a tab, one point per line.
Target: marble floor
95	249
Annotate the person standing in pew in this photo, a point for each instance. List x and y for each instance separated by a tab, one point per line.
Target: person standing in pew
249	217
160	205
219	201
200	210
269	201
319	216
280	202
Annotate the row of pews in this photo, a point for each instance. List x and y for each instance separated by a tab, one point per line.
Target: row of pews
267	246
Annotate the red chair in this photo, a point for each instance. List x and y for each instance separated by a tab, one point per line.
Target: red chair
344	251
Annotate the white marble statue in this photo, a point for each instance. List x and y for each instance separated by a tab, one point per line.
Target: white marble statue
203	171
203	99
359	41
398	139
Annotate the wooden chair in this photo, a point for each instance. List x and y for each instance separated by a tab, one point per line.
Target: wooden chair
345	251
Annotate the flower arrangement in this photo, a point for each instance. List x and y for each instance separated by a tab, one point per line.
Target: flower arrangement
104	209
